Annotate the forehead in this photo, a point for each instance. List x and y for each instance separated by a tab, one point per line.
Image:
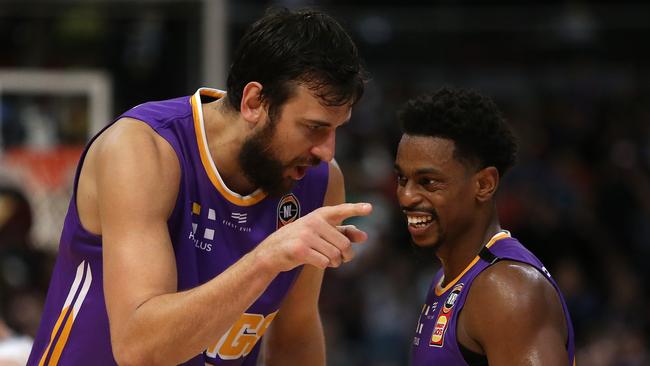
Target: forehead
303	104
422	152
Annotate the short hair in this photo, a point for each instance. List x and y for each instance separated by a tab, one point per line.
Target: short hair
284	49
472	121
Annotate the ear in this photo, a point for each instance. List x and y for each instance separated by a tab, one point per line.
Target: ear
252	106
487	181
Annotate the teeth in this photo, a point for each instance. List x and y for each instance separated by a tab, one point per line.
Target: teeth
418	220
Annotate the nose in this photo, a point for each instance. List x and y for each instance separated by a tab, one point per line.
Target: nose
407	195
325	150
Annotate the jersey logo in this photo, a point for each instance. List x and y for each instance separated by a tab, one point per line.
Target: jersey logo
242	337
451	300
239	217
438	335
288	210
202	238
442	324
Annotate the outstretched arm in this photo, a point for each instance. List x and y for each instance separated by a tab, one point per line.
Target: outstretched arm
136	174
515	316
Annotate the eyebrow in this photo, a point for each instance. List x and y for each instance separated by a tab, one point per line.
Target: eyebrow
420	171
323	123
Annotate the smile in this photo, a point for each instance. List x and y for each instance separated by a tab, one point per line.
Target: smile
419	222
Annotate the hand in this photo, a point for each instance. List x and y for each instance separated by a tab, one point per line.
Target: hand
316	239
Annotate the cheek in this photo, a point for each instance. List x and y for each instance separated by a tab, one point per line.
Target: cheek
450	205
460	207
294	146
281	149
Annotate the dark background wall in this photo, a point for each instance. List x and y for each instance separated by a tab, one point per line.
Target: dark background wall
571	78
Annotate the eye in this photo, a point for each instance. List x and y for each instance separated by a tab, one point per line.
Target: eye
314	127
401	180
429	184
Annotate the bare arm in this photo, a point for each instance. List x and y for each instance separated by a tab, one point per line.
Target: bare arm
296	335
514	314
137	177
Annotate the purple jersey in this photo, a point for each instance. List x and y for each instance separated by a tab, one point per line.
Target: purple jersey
211	228
435	341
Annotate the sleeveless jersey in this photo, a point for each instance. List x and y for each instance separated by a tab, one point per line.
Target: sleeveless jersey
211	228
435	341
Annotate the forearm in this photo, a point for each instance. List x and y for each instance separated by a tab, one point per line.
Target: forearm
173	328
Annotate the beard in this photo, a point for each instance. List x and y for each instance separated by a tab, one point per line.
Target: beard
261	166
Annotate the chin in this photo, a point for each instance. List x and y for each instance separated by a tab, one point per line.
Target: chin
432	239
424	242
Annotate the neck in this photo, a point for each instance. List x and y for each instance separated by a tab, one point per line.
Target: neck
457	253
225	133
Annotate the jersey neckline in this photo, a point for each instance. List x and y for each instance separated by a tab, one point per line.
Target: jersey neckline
439	290
206	157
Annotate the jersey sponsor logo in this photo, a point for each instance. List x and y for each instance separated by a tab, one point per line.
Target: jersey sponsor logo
442	324
242	337
288	210
439	330
204	222
197	213
234	226
239	217
201	238
451	299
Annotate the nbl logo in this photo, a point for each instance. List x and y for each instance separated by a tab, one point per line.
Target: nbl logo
288	210
451	300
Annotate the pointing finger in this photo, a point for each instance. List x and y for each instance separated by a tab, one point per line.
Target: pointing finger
336	214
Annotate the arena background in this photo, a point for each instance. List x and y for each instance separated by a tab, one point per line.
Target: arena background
572	78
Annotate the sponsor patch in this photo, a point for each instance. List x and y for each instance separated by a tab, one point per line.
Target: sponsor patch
288	210
438	335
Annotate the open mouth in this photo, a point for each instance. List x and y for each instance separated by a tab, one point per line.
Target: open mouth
419	221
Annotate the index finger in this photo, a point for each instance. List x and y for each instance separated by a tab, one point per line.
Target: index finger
336	214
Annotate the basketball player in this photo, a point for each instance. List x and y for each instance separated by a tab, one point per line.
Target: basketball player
196	222
493	302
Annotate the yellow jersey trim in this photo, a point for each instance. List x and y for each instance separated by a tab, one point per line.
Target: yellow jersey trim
206	157
440	290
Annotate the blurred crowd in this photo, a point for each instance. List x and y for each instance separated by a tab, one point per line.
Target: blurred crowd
579	196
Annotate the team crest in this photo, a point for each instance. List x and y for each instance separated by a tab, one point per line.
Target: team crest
288	210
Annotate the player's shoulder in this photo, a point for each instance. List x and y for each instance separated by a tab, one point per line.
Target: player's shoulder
513	293
510	291
511	283
135	138
132	151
